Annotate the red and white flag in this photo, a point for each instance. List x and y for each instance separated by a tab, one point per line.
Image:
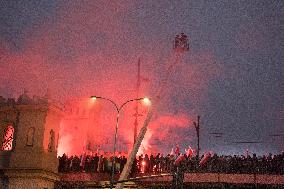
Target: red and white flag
172	152
179	159
177	150
205	158
189	152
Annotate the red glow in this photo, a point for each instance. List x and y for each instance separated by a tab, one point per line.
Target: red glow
75	60
8	138
81	128
143	167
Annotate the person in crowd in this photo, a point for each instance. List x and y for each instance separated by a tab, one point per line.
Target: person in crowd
271	164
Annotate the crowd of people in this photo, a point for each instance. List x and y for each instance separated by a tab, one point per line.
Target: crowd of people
271	164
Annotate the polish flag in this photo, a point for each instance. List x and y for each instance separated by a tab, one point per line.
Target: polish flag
189	152
177	150
172	152
205	158
179	159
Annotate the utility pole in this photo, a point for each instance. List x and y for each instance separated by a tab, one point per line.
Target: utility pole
197	128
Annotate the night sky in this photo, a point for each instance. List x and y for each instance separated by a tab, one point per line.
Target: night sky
232	76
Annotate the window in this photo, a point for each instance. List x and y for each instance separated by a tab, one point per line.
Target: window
51	141
8	138
30	136
57	141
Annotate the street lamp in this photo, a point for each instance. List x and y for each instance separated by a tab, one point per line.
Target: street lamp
118	109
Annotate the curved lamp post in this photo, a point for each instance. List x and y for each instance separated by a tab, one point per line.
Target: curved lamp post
118	109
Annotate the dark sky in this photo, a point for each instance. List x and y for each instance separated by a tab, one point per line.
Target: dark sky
232	75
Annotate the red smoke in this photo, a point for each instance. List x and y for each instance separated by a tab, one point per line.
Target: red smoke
90	50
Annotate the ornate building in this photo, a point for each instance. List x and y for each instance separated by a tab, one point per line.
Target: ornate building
29	129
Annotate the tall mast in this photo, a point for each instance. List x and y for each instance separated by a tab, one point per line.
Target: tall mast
136	108
180	46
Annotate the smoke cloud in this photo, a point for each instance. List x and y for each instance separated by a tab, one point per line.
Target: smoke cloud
85	49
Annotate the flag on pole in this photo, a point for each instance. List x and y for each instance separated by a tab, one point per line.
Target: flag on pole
177	150
83	160
179	159
247	153
172	152
205	158
189	151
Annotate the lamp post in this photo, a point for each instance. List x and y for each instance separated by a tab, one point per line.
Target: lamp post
118	109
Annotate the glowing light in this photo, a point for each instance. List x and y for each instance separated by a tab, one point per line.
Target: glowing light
143	163
8	138
147	101
93	99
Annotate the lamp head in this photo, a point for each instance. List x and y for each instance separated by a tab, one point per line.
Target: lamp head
93	97
147	101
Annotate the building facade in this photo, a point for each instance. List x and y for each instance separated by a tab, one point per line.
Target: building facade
29	129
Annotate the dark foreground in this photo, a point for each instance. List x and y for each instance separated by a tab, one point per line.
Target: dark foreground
191	180
170	186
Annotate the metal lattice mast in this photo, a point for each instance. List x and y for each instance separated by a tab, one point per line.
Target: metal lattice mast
197	128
